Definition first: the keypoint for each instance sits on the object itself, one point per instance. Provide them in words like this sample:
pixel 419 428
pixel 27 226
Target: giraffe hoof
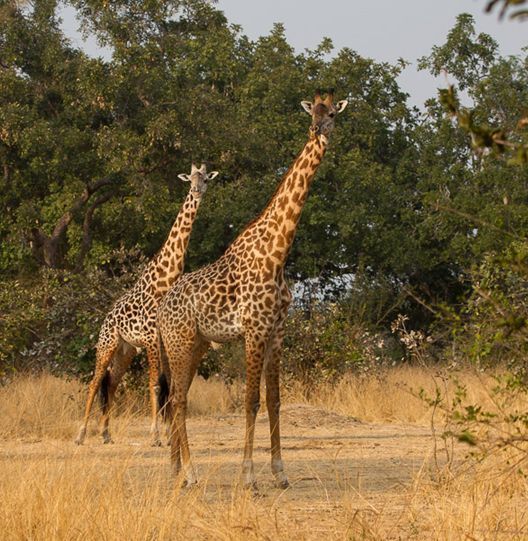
pixel 253 490
pixel 189 485
pixel 79 440
pixel 252 486
pixel 282 484
pixel 108 440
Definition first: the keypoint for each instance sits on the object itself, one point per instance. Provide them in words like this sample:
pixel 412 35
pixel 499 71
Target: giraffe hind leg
pixel 103 359
pixel 163 396
pixel 255 350
pixel 119 365
pixel 164 404
pixel 153 356
pixel 103 391
pixel 164 391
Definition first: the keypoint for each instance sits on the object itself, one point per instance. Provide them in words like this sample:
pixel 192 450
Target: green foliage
pixel 500 426
pixel 508 6
pixel 482 136
pixel 497 87
pixel 495 317
pixel 465 55
pixel 52 320
pixel 330 340
pixel 406 213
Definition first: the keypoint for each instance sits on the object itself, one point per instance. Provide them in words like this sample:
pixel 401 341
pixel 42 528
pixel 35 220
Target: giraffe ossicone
pixel 243 295
pixel 131 323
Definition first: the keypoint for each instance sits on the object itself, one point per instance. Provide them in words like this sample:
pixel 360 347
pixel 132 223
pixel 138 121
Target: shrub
pixel 52 322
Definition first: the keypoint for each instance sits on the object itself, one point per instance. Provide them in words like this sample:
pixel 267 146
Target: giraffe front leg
pixel 273 405
pixel 180 454
pixel 273 389
pixel 180 450
pixel 174 442
pixel 254 362
pixel 172 434
pixel 153 362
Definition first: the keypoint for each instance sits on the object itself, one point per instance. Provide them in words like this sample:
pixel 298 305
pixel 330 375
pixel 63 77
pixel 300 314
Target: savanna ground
pixel 364 458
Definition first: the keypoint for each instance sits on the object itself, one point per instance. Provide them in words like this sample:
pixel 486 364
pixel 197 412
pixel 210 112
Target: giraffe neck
pixel 280 218
pixel 167 265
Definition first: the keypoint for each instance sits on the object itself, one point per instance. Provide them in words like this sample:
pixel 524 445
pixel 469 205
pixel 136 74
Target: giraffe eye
pixel 331 115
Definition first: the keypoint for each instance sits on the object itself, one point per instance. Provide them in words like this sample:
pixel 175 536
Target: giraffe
pixel 131 323
pixel 242 295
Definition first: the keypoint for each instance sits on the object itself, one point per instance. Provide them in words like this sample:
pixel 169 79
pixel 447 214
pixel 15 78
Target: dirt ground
pixel 336 465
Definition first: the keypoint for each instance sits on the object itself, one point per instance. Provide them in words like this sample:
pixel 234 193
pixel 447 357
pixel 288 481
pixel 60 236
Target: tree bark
pixel 87 230
pixel 49 249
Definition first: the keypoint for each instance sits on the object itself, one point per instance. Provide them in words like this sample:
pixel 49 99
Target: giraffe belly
pixel 133 340
pixel 220 327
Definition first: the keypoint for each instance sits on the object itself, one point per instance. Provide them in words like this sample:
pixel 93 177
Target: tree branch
pixel 46 247
pixel 87 231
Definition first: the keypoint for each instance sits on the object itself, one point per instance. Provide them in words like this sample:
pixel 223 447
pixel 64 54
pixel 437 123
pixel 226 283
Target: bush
pixel 52 322
pixel 329 342
pixel 492 326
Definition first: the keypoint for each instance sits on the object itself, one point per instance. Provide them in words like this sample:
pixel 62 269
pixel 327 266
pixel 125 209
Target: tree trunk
pixel 49 250
pixel 87 231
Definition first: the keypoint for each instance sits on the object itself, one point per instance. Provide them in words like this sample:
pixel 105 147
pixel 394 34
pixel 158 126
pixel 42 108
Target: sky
pixel 384 30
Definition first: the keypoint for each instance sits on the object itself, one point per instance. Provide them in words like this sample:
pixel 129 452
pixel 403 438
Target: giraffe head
pixel 198 179
pixel 323 112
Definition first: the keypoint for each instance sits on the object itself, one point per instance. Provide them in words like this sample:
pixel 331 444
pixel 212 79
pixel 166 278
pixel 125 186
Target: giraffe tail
pixel 163 382
pixel 103 391
pixel 163 396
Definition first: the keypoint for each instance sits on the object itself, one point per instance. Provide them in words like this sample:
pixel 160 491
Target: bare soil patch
pixel 336 464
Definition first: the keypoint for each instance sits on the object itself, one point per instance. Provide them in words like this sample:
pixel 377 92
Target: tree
pixel 508 6
pixel 50 112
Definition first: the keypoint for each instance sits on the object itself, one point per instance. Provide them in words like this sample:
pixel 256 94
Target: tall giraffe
pixel 131 323
pixel 243 294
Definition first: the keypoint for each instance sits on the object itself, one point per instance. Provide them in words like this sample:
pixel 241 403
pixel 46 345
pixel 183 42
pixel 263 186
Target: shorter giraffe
pixel 131 324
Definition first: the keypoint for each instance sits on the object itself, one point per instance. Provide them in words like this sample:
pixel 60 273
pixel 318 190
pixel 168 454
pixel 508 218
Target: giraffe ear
pixel 340 105
pixel 307 106
pixel 184 177
pixel 212 175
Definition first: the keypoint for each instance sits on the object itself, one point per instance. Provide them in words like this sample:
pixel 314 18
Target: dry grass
pixel 487 501
pixel 50 489
pixel 48 500
pixel 49 406
pixel 391 396
pixel 214 396
pixel 41 406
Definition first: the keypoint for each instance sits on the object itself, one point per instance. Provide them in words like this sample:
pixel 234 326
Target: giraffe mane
pixel 268 204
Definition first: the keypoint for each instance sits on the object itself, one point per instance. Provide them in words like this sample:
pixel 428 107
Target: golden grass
pixel 47 500
pixel 41 406
pixel 51 489
pixel 49 406
pixel 393 395
pixel 486 502
pixel 214 396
